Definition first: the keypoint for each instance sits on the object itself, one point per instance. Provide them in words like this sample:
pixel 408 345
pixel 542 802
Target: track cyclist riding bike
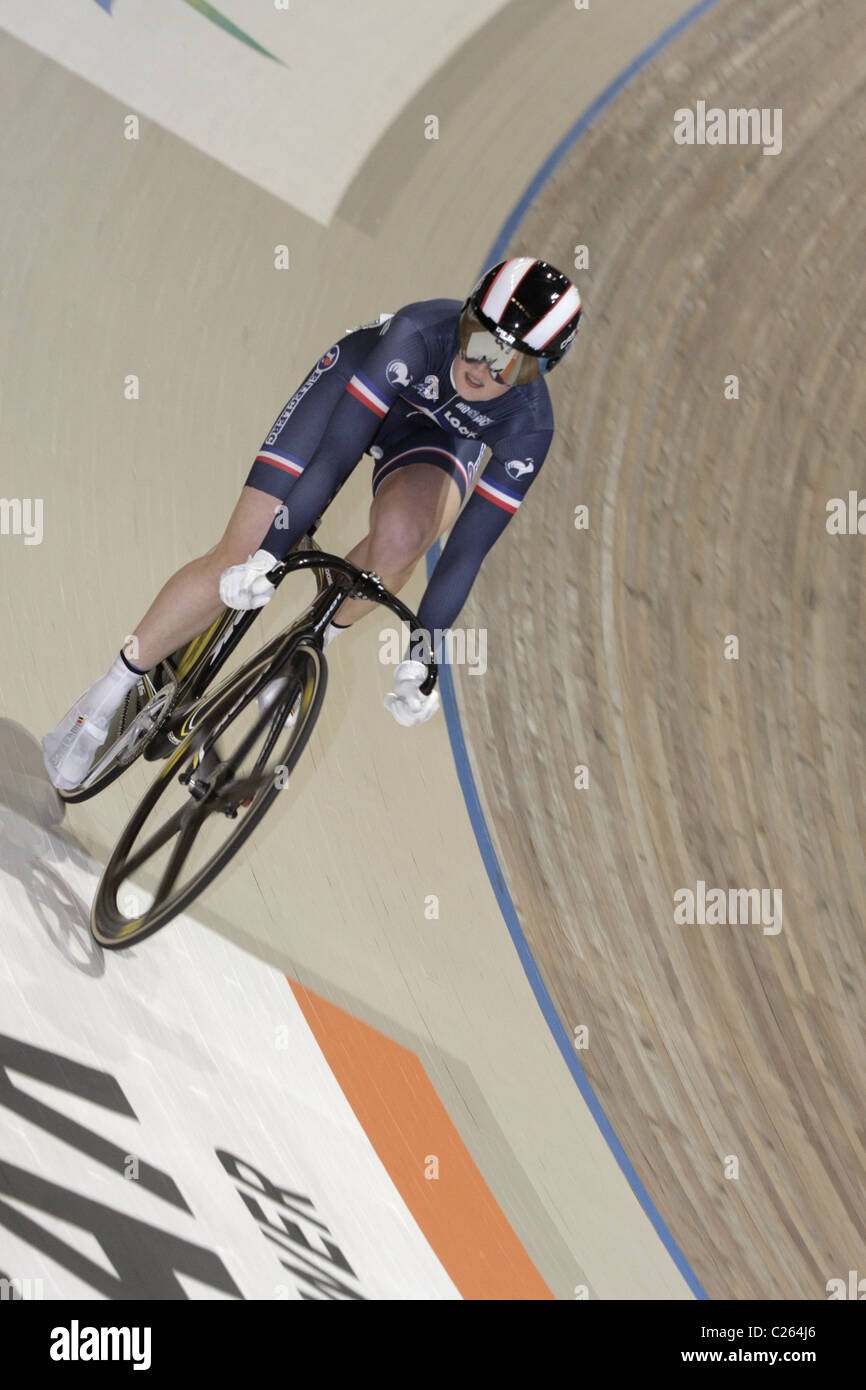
pixel 424 392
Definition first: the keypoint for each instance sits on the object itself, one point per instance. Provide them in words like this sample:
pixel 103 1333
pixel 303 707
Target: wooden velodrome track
pixel 706 518
pixel 606 645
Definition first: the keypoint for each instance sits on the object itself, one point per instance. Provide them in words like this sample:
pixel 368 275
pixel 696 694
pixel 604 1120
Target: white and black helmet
pixel 521 318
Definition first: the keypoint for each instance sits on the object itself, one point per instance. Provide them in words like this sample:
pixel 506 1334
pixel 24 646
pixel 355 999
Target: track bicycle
pixel 227 758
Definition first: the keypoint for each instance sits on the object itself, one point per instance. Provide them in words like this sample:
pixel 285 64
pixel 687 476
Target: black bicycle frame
pixel 336 580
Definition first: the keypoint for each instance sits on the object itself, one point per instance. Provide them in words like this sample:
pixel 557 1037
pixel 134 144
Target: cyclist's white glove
pixel 245 586
pixel 407 704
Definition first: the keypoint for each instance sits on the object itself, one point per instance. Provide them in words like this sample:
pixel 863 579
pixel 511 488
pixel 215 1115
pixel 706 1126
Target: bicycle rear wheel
pixel 206 801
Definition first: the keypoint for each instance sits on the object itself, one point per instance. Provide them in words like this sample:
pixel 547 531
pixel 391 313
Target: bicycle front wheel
pixel 205 802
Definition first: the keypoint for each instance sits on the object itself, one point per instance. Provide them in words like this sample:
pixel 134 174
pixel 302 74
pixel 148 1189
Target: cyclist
pixel 424 391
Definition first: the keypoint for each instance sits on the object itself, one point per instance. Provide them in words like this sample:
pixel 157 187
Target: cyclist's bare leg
pixel 186 606
pixel 412 509
pixel 189 602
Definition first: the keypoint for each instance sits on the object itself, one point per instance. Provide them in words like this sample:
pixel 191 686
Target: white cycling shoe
pixel 70 750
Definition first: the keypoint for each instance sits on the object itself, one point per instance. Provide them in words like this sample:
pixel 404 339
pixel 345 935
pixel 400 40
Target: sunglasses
pixel 507 365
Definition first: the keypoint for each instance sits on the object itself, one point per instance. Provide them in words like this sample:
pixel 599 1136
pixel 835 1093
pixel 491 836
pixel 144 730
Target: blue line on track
pixel 452 716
